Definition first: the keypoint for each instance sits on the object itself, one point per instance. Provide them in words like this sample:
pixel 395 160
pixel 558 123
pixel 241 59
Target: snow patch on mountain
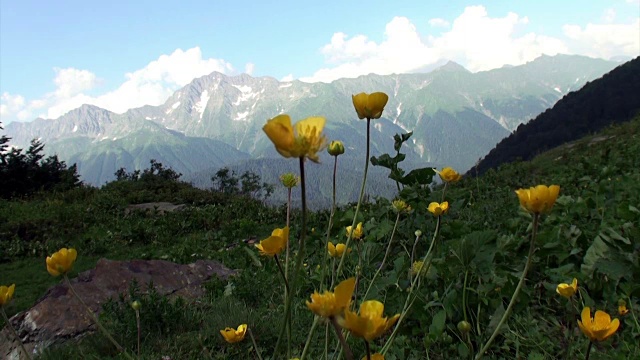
pixel 202 103
pixel 246 94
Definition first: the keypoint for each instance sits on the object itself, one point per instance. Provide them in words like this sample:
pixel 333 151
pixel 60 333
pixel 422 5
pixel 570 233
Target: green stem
pixel 347 351
pixel 635 319
pixel 413 255
pixel 514 297
pixel 282 272
pixel 299 260
pixel 355 215
pixel 326 242
pixel 306 345
pixel 589 350
pixel 255 345
pixel 15 334
pixel 384 259
pixel 96 321
pixel 464 295
pixel 368 347
pixel 415 285
pixel 286 259
pixel 139 330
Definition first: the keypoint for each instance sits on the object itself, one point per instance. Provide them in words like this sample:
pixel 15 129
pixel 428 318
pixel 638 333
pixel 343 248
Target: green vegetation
pixel 592 234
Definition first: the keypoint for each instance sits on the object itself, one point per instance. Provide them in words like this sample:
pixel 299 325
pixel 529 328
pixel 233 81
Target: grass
pixel 591 234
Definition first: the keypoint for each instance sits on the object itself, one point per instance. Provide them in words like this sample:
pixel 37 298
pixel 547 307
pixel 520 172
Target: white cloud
pixel 609 15
pixel 474 39
pixel 151 85
pixel 605 40
pixel 438 22
pixel 287 78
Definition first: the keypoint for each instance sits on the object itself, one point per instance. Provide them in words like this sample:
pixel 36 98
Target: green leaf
pixel 438 323
pixel 598 250
pixel 422 176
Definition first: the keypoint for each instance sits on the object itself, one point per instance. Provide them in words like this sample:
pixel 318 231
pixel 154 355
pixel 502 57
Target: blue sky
pixel 56 55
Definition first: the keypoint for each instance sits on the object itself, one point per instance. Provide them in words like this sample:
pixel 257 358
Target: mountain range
pixel 216 120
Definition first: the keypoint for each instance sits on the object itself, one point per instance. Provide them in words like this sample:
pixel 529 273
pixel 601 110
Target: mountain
pixel 216 120
pixel 614 98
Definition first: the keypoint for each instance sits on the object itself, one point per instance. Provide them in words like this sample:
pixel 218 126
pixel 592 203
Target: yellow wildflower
pixel 305 139
pixel 449 175
pixel 276 243
pixel 539 199
pixel 61 262
pixel 234 335
pixel 376 356
pixel 357 234
pixel 370 106
pixel 598 328
pixel 6 294
pixel 400 206
pixel 568 290
pixel 622 310
pixel 337 250
pixel 331 304
pixel 416 267
pixel 370 323
pixel 438 209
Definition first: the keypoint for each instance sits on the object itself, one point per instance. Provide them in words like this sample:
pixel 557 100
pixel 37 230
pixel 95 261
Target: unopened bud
pixel 335 148
pixel 136 305
pixel 418 233
pixel 289 180
pixel 464 327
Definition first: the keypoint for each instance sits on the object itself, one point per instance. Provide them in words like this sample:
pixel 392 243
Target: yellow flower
pixel 598 328
pixel 304 139
pixel 438 209
pixel 370 324
pixel 337 250
pixel 336 148
pixel 331 304
pixel 357 234
pixel 539 199
pixel 568 290
pixel 289 180
pixel 61 262
pixel 376 356
pixel 6 294
pixel 234 335
pixel 370 106
pixel 449 175
pixel 275 243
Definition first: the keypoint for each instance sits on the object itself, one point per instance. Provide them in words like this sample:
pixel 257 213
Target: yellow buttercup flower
pixel 539 199
pixel 234 335
pixel 275 243
pixel 337 250
pixel 305 139
pixel 331 304
pixel 438 209
pixel 449 175
pixel 416 267
pixel 357 234
pixel 6 294
pixel 370 106
pixel 598 328
pixel 61 262
pixel 376 356
pixel 568 290
pixel 622 310
pixel 370 323
pixel 400 206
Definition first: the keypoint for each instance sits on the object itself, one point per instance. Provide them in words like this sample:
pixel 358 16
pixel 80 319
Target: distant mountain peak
pixel 452 66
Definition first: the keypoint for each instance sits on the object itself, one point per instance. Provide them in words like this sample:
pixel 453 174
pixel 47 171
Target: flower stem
pixel 306 345
pixel 514 297
pixel 299 260
pixel 415 285
pixel 255 345
pixel 355 215
pixel 139 330
pixel 464 296
pixel 384 259
pixel 347 351
pixel 95 320
pixel 326 242
pixel 368 347
pixel 282 272
pixel 589 350
pixel 15 334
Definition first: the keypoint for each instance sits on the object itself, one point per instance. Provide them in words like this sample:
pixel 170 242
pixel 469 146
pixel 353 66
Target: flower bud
pixel 136 305
pixel 464 327
pixel 400 206
pixel 418 233
pixel 289 180
pixel 336 148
